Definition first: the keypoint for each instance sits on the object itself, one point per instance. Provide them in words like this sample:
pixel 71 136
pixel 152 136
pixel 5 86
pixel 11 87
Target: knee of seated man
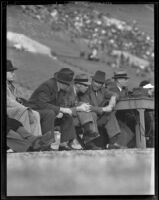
pixel 94 115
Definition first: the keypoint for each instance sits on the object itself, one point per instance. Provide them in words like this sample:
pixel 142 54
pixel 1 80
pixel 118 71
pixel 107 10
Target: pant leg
pixel 110 122
pixel 85 117
pixel 16 142
pixel 36 126
pixel 112 125
pixel 88 122
pixel 67 128
pixel 125 136
pixel 47 119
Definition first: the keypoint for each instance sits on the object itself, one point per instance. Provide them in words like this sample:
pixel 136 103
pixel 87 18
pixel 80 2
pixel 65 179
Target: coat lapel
pixel 93 97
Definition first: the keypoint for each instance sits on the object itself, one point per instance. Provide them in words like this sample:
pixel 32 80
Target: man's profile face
pixel 96 85
pixel 64 86
pixel 123 82
pixel 10 76
pixel 83 88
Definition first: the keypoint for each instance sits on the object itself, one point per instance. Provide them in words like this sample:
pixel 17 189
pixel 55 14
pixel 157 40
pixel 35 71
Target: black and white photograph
pixel 80 92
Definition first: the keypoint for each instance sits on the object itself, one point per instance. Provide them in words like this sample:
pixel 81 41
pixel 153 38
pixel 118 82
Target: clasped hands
pixel 83 107
pixel 86 107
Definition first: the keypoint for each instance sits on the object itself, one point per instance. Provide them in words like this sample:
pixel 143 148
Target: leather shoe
pixel 42 142
pixel 75 145
pixel 65 148
pixel 92 146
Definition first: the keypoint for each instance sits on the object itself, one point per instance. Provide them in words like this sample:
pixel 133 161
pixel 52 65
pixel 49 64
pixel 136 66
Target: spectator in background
pixel 93 55
pixel 149 88
pixel 16 110
pixel 20 140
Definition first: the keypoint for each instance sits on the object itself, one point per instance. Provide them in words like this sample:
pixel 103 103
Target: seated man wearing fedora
pixel 45 100
pixel 15 109
pixel 83 118
pixel 125 118
pixel 102 102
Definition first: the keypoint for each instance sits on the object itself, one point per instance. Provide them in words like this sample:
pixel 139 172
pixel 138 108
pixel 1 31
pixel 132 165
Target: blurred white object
pixel 60 115
pixel 10 151
pixel 76 145
pixel 22 42
pixel 148 86
pixel 56 144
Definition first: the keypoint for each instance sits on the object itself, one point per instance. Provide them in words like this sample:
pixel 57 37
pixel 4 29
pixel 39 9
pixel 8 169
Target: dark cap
pixel 65 75
pixel 99 76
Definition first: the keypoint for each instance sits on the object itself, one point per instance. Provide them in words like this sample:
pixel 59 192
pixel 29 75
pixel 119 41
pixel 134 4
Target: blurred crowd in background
pixel 100 31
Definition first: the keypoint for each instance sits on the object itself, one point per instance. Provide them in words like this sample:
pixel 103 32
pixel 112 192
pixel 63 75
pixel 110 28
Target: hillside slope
pixel 34 69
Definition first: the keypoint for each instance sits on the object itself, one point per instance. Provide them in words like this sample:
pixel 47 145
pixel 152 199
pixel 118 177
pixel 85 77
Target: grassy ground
pixel 113 172
pixel 34 69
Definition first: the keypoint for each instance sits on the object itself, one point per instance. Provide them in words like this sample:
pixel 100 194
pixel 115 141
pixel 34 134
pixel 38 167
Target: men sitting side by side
pixel 103 102
pixel 83 118
pixel 72 103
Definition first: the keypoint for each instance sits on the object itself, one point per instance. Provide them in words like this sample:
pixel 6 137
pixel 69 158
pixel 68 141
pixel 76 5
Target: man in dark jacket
pixel 45 100
pixel 20 140
pixel 102 102
pixel 83 118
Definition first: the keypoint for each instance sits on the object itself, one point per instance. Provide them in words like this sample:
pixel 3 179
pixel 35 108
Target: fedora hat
pixel 99 76
pixel 82 79
pixel 10 66
pixel 65 75
pixel 120 74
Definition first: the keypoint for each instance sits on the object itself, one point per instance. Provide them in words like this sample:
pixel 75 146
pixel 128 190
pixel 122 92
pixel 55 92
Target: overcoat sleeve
pixel 44 99
pixel 14 108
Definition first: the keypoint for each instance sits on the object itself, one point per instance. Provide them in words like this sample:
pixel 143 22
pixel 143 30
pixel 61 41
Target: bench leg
pixel 140 130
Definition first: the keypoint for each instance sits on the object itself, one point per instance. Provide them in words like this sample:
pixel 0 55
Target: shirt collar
pixel 119 88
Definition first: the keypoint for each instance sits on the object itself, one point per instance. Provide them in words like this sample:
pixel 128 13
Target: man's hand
pixel 85 107
pixel 66 110
pixel 60 115
pixel 108 108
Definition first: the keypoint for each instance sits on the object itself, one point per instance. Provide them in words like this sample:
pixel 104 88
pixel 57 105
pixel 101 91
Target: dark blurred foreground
pixel 113 172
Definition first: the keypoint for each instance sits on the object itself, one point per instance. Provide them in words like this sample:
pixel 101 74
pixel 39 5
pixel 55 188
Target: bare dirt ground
pixel 113 172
